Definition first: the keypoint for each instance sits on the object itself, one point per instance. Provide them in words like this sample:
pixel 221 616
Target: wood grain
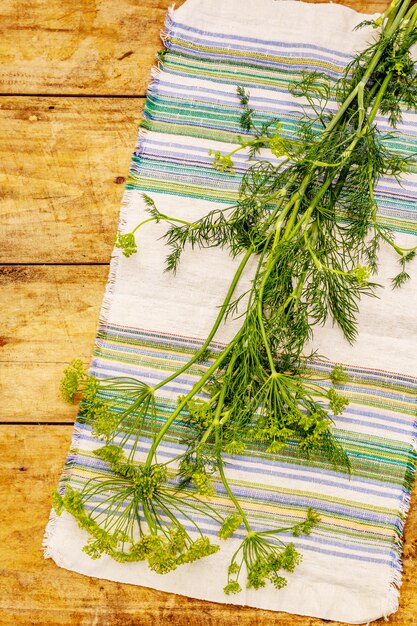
pixel 64 163
pixel 49 317
pixel 36 591
pixel 79 46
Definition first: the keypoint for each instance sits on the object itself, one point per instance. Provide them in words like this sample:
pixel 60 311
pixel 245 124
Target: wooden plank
pixel 30 392
pixel 49 313
pixel 79 46
pixel 87 46
pixel 48 317
pixel 64 163
pixel 35 591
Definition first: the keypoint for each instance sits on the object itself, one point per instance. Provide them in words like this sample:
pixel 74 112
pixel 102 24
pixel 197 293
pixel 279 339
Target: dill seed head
pixel 232 587
pixel 126 243
pixel 235 447
pixel 338 375
pixel 73 375
pixel 203 484
pixel 229 526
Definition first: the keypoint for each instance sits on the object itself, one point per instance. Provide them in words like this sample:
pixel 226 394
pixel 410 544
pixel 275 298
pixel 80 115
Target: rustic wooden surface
pixel 64 162
pixel 79 46
pixel 73 76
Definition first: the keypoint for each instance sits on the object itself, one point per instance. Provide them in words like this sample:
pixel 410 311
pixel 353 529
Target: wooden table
pixel 73 76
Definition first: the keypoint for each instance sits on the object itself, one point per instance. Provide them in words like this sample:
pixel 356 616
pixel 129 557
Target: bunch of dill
pixel 311 223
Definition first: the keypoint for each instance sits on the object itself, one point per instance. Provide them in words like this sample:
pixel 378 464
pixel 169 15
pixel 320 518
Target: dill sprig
pixel 265 556
pixel 311 223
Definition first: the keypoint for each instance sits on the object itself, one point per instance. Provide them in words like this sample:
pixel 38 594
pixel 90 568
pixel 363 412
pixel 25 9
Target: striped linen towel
pixel 151 323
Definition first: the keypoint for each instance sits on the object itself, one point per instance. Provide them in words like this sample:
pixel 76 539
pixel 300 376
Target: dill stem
pixel 396 18
pixel 361 107
pixel 267 272
pixel 222 396
pixel 377 101
pixel 259 311
pixel 148 517
pixel 149 219
pixel 195 389
pixel 215 326
pixel 279 223
pixel 227 487
pixel 246 144
pixel 412 16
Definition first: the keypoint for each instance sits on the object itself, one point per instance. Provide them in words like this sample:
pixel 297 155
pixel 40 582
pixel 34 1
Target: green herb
pixel 311 222
pixel 265 555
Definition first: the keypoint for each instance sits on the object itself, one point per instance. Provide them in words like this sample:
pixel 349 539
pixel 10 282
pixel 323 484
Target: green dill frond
pixel 400 279
pixel 403 276
pixel 161 55
pixel 205 355
pixel 409 256
pixel 243 96
pixel 266 557
pixel 148 201
pixel 198 466
pixel 152 210
pixel 364 23
pixel 245 121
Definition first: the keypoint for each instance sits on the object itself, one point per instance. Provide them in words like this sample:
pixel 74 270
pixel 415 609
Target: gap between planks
pixel 59 264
